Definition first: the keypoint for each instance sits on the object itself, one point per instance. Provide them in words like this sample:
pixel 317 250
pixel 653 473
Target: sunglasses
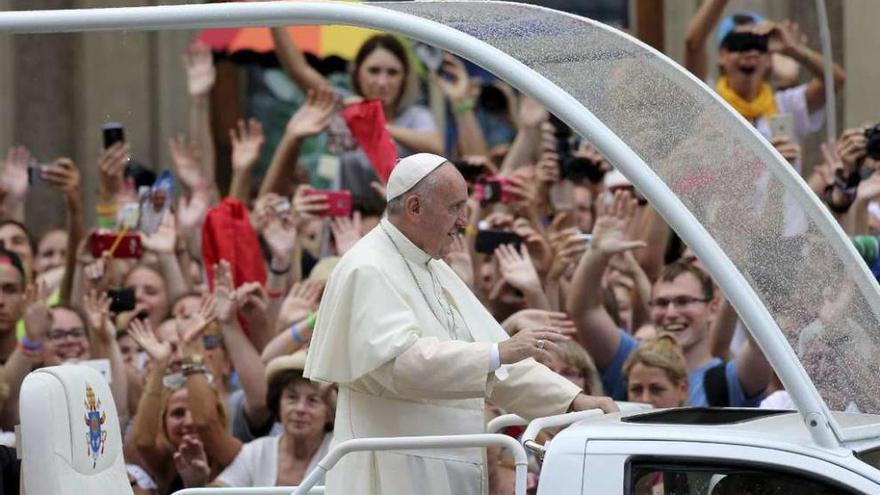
pixel 744 41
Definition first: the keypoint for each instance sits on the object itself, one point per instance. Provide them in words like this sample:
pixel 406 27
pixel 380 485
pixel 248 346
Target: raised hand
pixel 307 207
pixel 191 462
pixel 530 319
pixel 253 302
pixel 37 319
pixel 785 37
pixel 63 175
pixel 225 304
pixel 547 169
pixel 187 162
pixel 247 142
pixel 609 231
pixel 111 165
pixel 852 148
pixel 142 333
pixel 96 306
pixel 164 240
pixel 300 301
pixel 568 247
pixel 539 343
pixel 193 325
pixel 279 232
pixel 531 113
pixel 14 172
pixel 516 268
pixel 346 232
pixel 790 151
pixel 459 259
pixel 314 116
pixel 191 212
pixel 457 86
pixel 200 72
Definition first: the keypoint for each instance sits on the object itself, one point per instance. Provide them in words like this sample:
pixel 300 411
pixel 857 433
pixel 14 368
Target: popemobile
pixel 781 260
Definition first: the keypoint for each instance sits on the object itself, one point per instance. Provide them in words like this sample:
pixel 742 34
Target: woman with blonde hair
pixel 656 373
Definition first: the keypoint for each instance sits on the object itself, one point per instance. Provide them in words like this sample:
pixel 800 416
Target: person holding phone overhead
pixel 414 352
pixel 381 71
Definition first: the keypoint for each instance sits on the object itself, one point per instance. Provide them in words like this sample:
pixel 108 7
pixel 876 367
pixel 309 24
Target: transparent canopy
pixel 760 213
pixel 753 204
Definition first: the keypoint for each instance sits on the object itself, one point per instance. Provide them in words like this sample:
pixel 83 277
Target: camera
pixel 872 149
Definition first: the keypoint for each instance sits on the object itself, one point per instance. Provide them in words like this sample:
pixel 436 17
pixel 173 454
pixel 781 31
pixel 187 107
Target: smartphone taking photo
pixel 128 246
pixel 488 240
pixel 113 133
pixel 338 202
pixel 121 299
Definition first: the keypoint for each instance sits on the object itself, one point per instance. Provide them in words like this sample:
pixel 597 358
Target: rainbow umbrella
pixel 322 41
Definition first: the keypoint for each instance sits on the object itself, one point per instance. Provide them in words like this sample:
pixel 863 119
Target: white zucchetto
pixel 409 171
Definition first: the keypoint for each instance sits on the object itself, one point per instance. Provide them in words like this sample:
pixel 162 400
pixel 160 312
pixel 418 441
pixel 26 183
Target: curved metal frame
pixel 817 417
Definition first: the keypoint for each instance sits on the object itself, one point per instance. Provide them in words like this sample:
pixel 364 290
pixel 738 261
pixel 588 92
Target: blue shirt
pixel 615 383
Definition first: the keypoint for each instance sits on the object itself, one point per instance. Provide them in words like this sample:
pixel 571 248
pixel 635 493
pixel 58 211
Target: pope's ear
pixel 412 205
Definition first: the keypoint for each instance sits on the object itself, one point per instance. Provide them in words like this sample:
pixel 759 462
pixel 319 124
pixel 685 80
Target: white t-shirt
pixel 257 463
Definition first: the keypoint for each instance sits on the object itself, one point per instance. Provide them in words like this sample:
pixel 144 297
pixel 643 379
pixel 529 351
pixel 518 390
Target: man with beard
pixel 683 304
pixel 415 353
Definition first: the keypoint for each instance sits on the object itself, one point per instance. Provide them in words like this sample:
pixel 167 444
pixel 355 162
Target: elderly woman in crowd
pixel 305 411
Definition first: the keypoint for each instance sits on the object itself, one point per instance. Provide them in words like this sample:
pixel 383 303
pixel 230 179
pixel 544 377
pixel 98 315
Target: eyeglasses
pixel 60 334
pixel 679 302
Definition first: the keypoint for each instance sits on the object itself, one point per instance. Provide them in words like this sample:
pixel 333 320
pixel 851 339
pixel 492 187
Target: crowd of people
pixel 207 357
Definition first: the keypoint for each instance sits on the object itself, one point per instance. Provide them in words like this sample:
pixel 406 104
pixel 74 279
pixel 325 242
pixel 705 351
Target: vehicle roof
pixel 784 431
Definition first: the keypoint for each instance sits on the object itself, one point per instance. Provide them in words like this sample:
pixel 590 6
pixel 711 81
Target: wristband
pixel 464 107
pixel 295 335
pixel 310 320
pixel 30 346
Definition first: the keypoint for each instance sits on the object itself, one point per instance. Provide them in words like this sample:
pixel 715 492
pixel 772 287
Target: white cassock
pixel 414 364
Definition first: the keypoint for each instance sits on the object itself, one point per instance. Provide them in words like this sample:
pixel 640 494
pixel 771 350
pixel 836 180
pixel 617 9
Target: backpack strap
pixel 715 385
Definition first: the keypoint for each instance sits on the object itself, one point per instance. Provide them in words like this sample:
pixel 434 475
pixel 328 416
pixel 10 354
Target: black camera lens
pixel 872 149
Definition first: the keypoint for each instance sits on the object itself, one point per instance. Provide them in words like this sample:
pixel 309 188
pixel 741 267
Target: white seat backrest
pixel 70 435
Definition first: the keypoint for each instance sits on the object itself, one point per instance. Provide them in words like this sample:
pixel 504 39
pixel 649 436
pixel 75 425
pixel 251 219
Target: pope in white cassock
pixel 414 352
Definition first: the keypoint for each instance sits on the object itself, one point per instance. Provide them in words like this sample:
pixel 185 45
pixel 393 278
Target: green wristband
pixel 464 107
pixel 310 320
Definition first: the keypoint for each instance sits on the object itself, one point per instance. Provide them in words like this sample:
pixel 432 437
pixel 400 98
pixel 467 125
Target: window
pixel 652 478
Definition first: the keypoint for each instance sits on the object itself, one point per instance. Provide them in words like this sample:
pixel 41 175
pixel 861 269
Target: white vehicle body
pixel 708 173
pixel 603 455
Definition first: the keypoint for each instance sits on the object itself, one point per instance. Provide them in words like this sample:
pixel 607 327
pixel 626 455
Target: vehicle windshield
pixel 800 265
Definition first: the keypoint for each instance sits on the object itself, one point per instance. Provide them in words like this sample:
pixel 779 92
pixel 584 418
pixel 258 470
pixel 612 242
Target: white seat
pixel 70 435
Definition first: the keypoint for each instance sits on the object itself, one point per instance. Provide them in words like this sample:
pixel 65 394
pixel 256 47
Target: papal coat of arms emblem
pixel 95 418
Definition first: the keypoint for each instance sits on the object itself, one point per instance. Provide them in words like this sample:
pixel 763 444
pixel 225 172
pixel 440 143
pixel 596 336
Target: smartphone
pixel 34 173
pixel 488 240
pixel 586 238
pixel 782 125
pixel 129 247
pixel 113 133
pixel 493 190
pixel 338 202
pixel 121 299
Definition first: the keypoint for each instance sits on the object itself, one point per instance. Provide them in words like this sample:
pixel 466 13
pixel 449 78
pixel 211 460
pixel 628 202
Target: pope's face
pixel 445 214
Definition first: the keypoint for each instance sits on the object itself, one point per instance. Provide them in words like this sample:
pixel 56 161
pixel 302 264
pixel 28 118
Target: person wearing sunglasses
pixel 748 47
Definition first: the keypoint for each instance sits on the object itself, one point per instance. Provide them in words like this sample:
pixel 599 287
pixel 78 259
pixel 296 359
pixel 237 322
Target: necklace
pixel 412 274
